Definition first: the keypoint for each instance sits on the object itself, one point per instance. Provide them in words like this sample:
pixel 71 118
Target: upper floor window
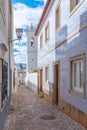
pixel 47 32
pixel 74 3
pixel 32 42
pixel 41 41
pixel 2 8
pixel 57 17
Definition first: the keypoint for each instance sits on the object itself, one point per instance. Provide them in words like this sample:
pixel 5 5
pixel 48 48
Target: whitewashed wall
pixel 31 81
pixel 45 58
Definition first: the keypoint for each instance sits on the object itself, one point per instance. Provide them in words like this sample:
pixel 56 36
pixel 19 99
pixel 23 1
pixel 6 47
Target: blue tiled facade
pixel 74 31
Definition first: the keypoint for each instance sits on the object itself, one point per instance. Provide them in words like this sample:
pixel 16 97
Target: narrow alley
pixel 28 110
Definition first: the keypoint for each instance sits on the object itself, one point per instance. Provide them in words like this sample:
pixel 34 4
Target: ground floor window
pixel 78 73
pixel 46 73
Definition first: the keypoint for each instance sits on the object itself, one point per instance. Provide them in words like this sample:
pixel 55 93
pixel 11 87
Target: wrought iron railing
pixel 4 80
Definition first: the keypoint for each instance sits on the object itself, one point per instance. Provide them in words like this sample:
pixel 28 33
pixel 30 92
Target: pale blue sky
pixel 25 12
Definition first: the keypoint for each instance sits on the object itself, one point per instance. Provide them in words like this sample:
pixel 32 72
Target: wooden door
pixel 56 72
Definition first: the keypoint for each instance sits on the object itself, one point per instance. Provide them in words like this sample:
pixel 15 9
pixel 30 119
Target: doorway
pixel 56 80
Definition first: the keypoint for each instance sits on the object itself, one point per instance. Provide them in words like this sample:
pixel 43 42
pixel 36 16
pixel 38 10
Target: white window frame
pixel 57 17
pixel 74 6
pixel 41 41
pixel 77 90
pixel 47 32
pixel 77 87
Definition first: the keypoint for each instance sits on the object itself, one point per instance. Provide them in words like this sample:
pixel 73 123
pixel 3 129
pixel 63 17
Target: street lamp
pixel 19 32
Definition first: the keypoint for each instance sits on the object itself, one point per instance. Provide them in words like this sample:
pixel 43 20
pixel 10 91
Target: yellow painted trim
pixel 43 21
pixel 47 26
pixel 77 6
pixel 41 44
pixel 58 6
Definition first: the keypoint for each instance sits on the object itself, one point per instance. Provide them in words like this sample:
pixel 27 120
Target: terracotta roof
pixel 43 15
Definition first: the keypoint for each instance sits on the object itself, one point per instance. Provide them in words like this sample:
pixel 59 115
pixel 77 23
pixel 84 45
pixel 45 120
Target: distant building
pixel 21 74
pixel 62 56
pixel 31 50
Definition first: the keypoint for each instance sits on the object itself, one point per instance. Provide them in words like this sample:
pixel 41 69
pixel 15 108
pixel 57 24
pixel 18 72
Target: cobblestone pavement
pixel 28 109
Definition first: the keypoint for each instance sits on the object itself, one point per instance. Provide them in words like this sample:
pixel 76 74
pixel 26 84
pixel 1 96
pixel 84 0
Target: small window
pixel 46 74
pixel 77 74
pixel 32 42
pixel 3 8
pixel 57 17
pixel 47 32
pixel 41 41
pixel 74 3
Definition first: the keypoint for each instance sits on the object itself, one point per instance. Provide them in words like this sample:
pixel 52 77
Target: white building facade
pixel 62 56
pixel 46 53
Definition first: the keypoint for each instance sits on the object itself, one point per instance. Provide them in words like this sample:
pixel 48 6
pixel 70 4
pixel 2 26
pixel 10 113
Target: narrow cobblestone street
pixel 28 109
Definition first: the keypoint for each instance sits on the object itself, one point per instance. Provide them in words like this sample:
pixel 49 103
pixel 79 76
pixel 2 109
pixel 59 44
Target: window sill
pixel 74 10
pixel 79 94
pixel 46 81
pixel 47 40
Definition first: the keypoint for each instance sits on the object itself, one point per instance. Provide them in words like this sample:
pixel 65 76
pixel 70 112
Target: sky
pixel 25 12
